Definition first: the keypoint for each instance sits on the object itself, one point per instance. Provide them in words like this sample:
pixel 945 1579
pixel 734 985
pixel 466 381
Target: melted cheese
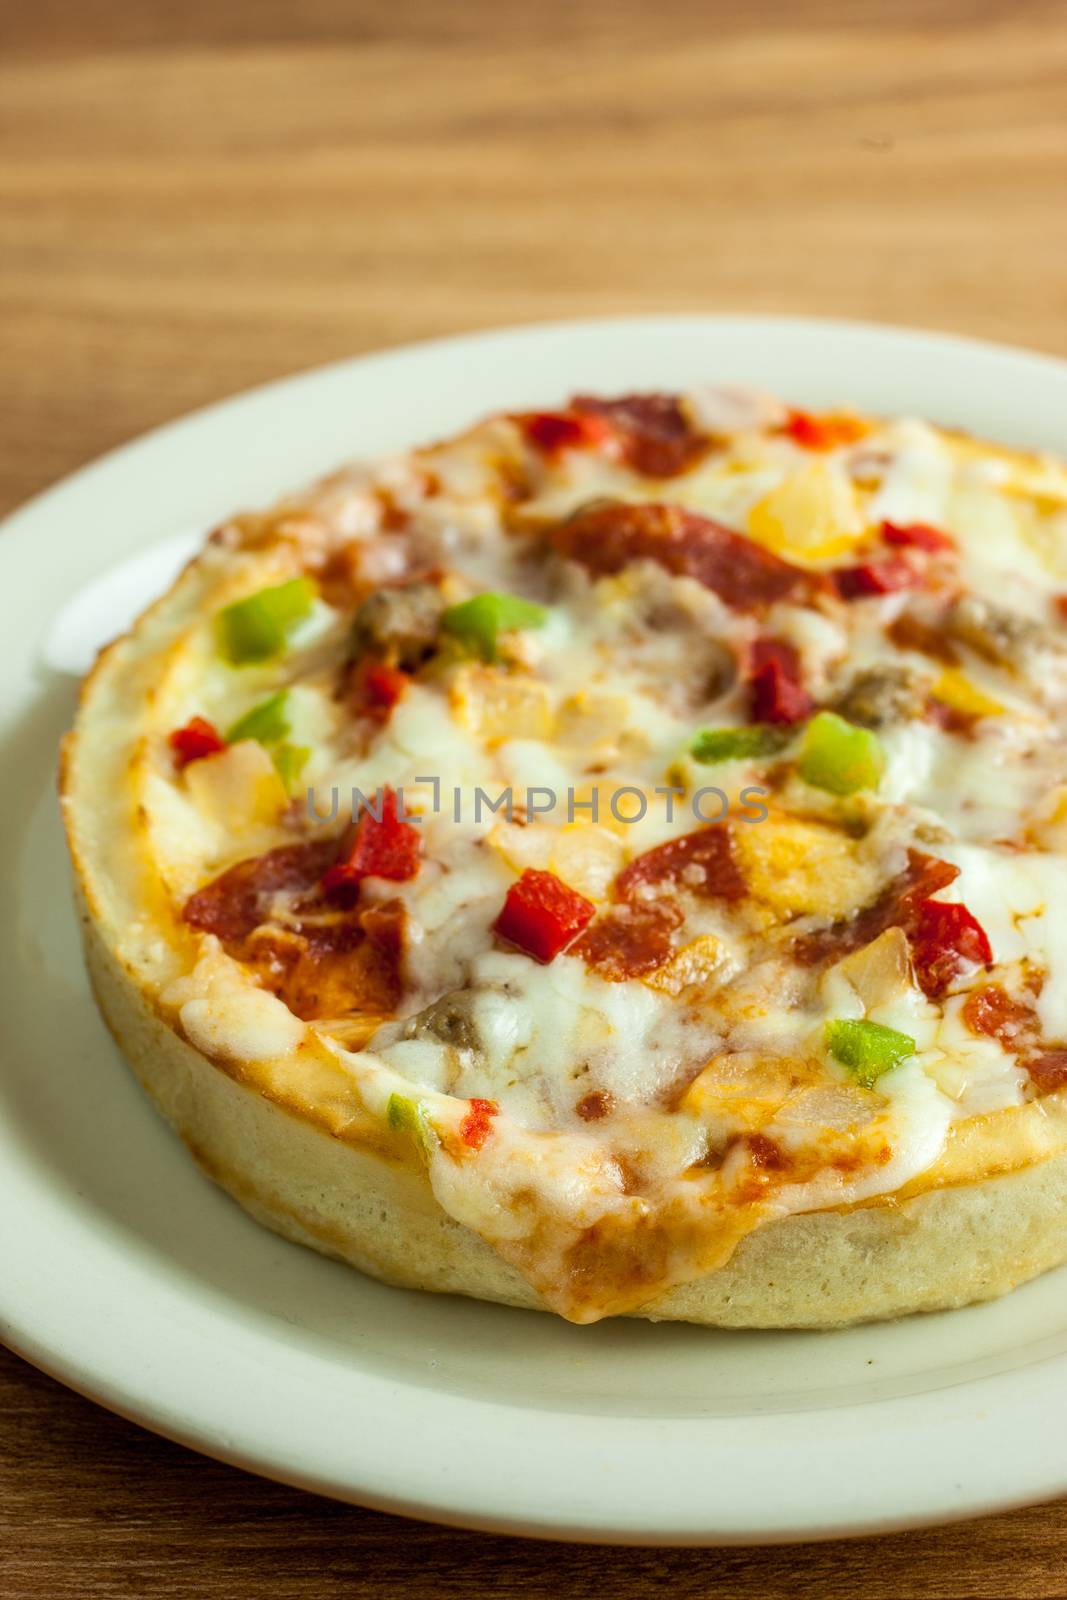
pixel 608 695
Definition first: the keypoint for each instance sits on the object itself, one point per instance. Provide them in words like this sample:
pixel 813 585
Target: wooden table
pixel 195 197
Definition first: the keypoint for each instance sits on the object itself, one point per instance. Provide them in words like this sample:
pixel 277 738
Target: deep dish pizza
pixel 612 860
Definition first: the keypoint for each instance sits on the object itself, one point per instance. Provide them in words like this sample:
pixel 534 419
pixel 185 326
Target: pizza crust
pixel 939 1250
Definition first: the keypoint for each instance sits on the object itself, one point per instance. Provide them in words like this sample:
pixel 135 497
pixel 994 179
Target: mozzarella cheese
pixel 696 1083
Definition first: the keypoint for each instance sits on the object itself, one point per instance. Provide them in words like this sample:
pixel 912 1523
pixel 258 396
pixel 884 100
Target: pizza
pixel 611 861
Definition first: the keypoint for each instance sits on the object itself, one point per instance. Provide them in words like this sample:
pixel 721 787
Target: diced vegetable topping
pixel 946 938
pixel 198 738
pixel 476 1126
pixel 776 692
pixel 824 432
pixel 897 906
pixel 542 914
pixel 837 756
pixel 867 1049
pixel 380 847
pixel 554 431
pixel 258 627
pixel 813 513
pixel 917 536
pixel 955 690
pixel 874 578
pixel 239 787
pixel 406 1115
pixel 478 622
pixel 290 761
pixel 736 744
pixel 380 687
pixel 268 721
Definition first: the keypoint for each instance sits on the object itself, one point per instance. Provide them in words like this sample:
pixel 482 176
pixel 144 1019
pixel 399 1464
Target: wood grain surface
pixel 198 195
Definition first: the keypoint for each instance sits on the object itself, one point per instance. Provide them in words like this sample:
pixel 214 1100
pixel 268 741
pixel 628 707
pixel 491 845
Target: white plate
pixel 124 1273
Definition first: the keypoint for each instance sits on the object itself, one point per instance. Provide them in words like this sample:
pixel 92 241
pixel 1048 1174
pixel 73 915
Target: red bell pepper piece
pixel 553 431
pixel 917 536
pixel 476 1125
pixel 873 577
pixel 944 939
pixel 198 738
pixel 378 687
pixel 825 432
pixel 380 847
pixel 542 914
pixel 776 693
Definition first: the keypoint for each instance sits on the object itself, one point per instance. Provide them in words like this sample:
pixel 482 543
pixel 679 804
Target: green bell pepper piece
pixel 289 762
pixel 837 756
pixel 268 722
pixel 867 1049
pixel 258 627
pixel 711 745
pixel 405 1115
pixel 477 622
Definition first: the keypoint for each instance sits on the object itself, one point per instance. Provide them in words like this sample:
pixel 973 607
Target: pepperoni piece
pixel 605 537
pixel 383 925
pixel 321 962
pixel 326 965
pixel 656 436
pixel 701 861
pixel 896 907
pixel 238 901
pixel 1048 1070
pixel 627 941
pixel 992 1011
pixel 776 692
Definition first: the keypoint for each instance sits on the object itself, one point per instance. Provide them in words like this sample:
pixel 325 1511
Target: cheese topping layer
pixel 711 862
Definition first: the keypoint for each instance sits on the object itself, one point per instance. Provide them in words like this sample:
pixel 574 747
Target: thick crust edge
pixel 941 1249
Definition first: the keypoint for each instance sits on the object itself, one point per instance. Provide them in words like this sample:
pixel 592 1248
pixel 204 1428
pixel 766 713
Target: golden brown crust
pixel 942 1249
